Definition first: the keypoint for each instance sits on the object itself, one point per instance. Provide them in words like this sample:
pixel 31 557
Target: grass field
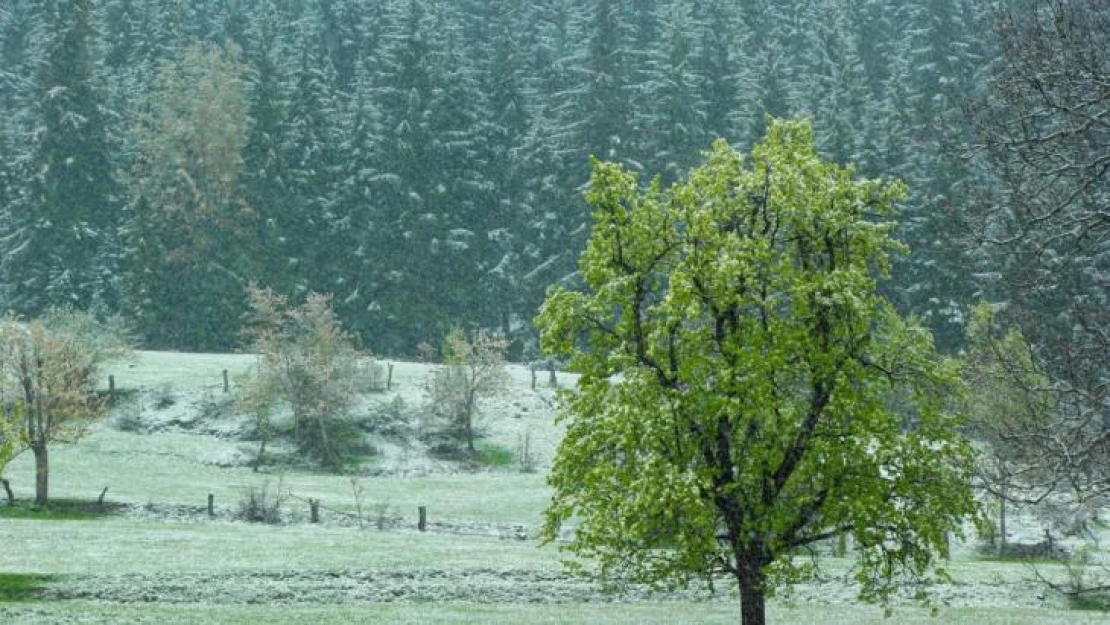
pixel 160 559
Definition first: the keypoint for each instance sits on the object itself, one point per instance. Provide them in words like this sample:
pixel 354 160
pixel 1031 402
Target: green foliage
pixel 60 510
pixel 308 364
pixel 12 438
pixel 493 455
pixel 744 390
pixel 47 376
pixel 21 586
pixel 1009 393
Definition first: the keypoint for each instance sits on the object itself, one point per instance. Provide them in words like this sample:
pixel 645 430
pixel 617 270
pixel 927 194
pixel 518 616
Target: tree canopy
pixel 744 390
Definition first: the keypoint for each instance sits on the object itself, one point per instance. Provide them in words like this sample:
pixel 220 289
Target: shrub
pixel 473 369
pixel 262 505
pixel 164 397
pixel 391 417
pixel 307 363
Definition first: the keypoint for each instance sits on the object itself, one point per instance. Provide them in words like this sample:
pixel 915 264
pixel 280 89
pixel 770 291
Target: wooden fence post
pixel 551 378
pixel 314 510
pixel 389 378
pixel 111 389
pixel 227 386
pixel 211 505
pixel 422 524
pixel 532 368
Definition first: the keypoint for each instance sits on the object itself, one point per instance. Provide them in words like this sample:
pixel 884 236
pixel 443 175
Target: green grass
pixel 21 586
pixel 59 510
pixel 454 613
pixel 119 546
pixel 494 455
pixel 1092 602
pixel 183 467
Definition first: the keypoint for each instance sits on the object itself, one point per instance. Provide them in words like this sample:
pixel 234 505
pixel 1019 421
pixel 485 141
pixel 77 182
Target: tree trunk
pixel 752 604
pixel 42 474
pixel 1002 522
pixel 468 419
pixel 8 490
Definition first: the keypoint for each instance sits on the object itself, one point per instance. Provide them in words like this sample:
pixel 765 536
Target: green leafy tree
pixel 47 374
pixel 744 390
pixel 11 441
pixel 189 238
pixel 1009 404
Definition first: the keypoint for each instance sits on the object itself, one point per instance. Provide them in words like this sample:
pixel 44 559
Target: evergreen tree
pixel 603 108
pixel 721 72
pixel 940 67
pixel 503 127
pixel 266 181
pixel 57 239
pixel 307 218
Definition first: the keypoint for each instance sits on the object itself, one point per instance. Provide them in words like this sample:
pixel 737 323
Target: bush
pixel 164 397
pixel 391 418
pixel 492 455
pixel 473 369
pixel 262 505
pixel 372 376
pixel 129 417
pixel 307 363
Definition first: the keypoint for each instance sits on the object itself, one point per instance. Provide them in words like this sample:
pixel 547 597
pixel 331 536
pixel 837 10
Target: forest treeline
pixel 422 160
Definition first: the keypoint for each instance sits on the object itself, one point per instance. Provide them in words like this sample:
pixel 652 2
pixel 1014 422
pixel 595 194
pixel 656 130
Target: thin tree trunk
pixel 42 474
pixel 8 491
pixel 753 609
pixel 1002 522
pixel 469 419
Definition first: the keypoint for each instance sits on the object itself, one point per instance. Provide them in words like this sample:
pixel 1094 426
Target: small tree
pixel 48 378
pixel 11 441
pixel 473 368
pixel 744 390
pixel 1009 405
pixel 307 362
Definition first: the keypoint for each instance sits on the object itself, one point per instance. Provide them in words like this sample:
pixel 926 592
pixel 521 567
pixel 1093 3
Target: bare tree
pixel 1042 232
pixel 473 368
pixel 1043 222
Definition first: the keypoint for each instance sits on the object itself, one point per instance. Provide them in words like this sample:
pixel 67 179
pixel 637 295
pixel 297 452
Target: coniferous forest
pixel 422 161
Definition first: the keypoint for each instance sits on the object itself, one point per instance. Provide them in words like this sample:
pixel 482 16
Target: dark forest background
pixel 422 160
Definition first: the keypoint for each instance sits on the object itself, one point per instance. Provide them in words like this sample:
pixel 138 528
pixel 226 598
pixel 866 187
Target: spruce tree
pixel 64 216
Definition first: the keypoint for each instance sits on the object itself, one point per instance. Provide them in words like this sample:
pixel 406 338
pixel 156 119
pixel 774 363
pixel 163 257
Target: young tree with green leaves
pixel 48 375
pixel 11 442
pixel 744 390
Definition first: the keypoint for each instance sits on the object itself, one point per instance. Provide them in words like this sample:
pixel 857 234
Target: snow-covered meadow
pixel 162 558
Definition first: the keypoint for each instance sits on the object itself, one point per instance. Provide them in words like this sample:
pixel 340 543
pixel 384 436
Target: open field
pixel 161 559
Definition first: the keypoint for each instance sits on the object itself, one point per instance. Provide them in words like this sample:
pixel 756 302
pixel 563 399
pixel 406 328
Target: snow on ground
pixel 186 442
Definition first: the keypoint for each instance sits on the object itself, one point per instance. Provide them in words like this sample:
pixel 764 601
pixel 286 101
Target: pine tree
pixel 64 217
pixel 266 181
pixel 721 72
